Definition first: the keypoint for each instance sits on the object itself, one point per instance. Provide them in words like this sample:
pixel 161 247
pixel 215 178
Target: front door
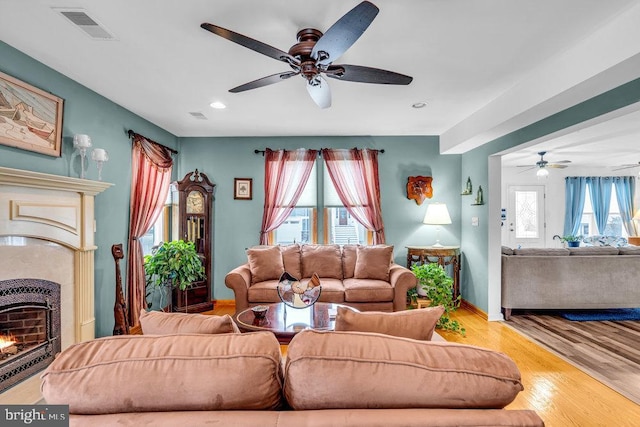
pixel 525 216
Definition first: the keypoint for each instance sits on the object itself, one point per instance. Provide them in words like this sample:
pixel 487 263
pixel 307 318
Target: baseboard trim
pixel 473 309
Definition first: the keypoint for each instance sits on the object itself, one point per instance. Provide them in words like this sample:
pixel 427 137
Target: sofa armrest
pixel 401 279
pixel 239 280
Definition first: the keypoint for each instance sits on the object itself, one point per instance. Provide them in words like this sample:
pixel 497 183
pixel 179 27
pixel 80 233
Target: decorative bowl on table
pixel 260 311
pixel 295 294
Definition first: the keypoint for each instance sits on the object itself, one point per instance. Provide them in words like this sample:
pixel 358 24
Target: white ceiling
pixel 482 66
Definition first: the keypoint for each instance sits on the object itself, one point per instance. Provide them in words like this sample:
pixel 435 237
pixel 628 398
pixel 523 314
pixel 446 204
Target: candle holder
pixel 82 143
pixel 100 156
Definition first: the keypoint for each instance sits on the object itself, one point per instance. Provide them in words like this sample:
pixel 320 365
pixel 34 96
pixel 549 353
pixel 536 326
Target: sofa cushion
pixel 415 324
pixel 332 290
pixel 291 259
pixel 159 323
pixel 349 256
pixel 542 251
pixel 337 370
pixel 265 263
pixel 367 290
pixel 263 292
pixel 326 260
pixel 594 250
pixel 629 250
pixel 373 262
pixel 138 373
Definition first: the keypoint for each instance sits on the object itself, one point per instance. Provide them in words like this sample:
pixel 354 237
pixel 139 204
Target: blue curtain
pixel 600 192
pixel 574 195
pixel 625 189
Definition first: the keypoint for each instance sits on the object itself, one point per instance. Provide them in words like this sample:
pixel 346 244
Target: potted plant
pixel 174 264
pixel 433 279
pixel 573 241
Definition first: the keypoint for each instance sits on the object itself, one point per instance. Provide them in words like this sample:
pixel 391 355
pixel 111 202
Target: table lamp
pixel 437 214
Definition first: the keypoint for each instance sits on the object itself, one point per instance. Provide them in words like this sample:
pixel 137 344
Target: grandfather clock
pixel 195 208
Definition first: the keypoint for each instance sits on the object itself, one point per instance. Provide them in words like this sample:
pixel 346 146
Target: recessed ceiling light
pixel 218 105
pixel 420 104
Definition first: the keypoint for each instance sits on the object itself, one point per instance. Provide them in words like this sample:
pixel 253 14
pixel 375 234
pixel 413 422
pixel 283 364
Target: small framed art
pixel 242 188
pixel 30 118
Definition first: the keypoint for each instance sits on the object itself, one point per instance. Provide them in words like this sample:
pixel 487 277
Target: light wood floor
pixel 561 394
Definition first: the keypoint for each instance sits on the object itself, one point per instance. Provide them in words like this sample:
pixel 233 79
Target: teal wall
pixel 107 123
pixel 237 222
pixel 474 240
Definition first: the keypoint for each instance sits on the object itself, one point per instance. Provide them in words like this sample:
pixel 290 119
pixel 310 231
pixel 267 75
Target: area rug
pixel 612 315
pixel 605 350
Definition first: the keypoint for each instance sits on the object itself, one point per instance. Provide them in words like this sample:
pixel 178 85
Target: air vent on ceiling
pixel 87 24
pixel 198 115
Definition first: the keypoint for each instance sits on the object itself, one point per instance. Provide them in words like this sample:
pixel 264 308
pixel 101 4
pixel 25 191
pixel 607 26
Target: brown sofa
pixel 363 277
pixel 327 379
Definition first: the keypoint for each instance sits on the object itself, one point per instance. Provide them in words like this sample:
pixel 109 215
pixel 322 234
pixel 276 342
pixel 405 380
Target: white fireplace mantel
pixel 58 209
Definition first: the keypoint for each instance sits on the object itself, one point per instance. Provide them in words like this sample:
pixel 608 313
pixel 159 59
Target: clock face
pixel 195 203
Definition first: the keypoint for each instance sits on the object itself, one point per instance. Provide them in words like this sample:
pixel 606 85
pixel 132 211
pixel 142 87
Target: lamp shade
pixel 542 173
pixel 437 214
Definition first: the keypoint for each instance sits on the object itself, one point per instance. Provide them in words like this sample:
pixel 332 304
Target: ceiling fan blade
pixel 319 91
pixel 250 43
pixel 357 73
pixel 555 165
pixel 344 33
pixel 562 161
pixel 528 168
pixel 621 167
pixel 274 78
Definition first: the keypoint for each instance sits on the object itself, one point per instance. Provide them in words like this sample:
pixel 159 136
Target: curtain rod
pixel 132 134
pixel 381 151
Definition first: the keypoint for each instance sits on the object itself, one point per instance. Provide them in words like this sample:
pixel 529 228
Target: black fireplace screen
pixel 29 299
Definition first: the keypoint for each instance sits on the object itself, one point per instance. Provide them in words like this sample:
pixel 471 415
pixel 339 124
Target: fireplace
pixel 30 327
pixel 47 250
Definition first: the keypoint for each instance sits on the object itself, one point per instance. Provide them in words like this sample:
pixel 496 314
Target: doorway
pixel 525 216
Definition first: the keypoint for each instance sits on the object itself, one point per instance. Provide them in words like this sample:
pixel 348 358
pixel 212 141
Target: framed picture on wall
pixel 243 188
pixel 30 118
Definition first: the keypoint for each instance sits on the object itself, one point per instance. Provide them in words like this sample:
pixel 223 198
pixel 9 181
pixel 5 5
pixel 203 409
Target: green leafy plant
pixel 433 279
pixel 174 264
pixel 412 296
pixel 568 238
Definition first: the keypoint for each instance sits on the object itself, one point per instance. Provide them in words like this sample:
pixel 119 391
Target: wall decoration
pixel 30 118
pixel 468 188
pixel 479 197
pixel 242 188
pixel 419 188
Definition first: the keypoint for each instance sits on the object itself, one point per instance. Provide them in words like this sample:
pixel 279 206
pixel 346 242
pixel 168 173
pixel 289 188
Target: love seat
pixel 363 277
pixel 328 379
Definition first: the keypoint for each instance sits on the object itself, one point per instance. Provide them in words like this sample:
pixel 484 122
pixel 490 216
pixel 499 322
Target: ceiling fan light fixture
pixel 217 105
pixel 542 173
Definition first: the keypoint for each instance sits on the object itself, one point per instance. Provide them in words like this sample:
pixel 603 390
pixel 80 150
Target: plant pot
pixel 573 244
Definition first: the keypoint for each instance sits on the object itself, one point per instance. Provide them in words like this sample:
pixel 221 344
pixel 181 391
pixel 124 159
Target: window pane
pixel 309 196
pixel 331 197
pixel 295 229
pixel 526 218
pixel 344 230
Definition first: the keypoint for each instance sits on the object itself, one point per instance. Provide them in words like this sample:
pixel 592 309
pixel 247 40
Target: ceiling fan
pixel 628 166
pixel 543 165
pixel 315 53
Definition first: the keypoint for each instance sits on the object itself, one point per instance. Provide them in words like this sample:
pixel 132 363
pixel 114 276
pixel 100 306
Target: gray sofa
pixel 572 278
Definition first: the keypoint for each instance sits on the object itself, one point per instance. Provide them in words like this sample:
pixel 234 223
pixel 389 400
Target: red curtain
pixel 285 175
pixel 354 174
pixel 150 179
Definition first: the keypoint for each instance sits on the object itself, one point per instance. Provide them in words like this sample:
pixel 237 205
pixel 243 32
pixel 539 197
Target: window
pixel 614 222
pixel 160 231
pixel 302 225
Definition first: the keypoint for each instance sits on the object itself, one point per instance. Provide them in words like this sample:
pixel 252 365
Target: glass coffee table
pixel 285 322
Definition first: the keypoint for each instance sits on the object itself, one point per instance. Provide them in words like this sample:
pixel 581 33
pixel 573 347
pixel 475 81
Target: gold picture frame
pixel 30 118
pixel 242 188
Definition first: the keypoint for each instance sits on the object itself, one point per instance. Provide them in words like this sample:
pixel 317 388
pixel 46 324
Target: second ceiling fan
pixel 543 165
pixel 314 54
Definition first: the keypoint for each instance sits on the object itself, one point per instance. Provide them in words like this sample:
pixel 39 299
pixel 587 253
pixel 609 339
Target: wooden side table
pixel 444 255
